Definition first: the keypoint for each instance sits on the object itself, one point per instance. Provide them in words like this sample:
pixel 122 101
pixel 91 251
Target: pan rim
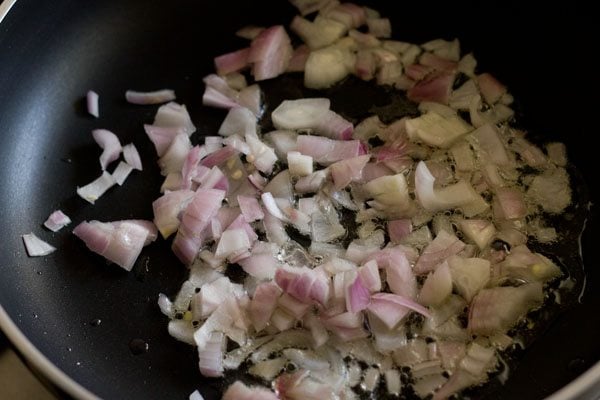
pixel 5 7
pixel 581 387
pixel 40 362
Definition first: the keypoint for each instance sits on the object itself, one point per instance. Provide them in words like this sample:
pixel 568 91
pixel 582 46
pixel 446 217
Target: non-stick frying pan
pixel 51 53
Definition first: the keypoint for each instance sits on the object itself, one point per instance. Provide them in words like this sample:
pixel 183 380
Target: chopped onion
pixel 109 142
pixel 120 242
pixel 57 220
pixel 132 157
pixel 93 190
pixel 92 103
pixel 157 97
pixel 121 172
pixel 36 247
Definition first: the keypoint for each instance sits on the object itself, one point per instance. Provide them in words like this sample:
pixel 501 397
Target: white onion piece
pixel 109 143
pixel 162 137
pixel 119 242
pixel 166 306
pixel 156 97
pixel 390 193
pixel 437 286
pixel 392 381
pixel 239 391
pixel 251 98
pixel 249 32
pixel 93 190
pixel 380 27
pixel 173 115
pixel 35 246
pixel 132 157
pixel 460 194
pixel 327 151
pixel 167 209
pixel 327 66
pixel 232 62
pixel 272 207
pixel 309 6
pixel 443 246
pixel 346 171
pixel 211 357
pixel 320 33
pixel 182 331
pixel 357 295
pixel 469 275
pixel 57 220
pixel 203 207
pixel 299 164
pixel 497 309
pixel 93 107
pixel 174 157
pixel 232 242
pixel 262 156
pixel 121 173
pixel 239 120
pixel 300 114
pixel 268 369
pixel 250 208
pixel 490 88
pixel 270 53
pixel 195 395
pixel 435 130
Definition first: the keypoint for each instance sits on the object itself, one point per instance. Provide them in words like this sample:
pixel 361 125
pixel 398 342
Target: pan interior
pixel 52 53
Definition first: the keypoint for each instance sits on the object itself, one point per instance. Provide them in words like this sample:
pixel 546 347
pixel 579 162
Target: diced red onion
pixel 357 296
pixel 270 53
pixel 156 97
pixel 120 243
pixel 232 62
pixel 349 170
pixel 196 218
pixel 436 87
pixel 442 247
pixel 498 309
pixel 162 137
pixel 211 357
pixel 57 220
pixel 298 59
pixel 327 151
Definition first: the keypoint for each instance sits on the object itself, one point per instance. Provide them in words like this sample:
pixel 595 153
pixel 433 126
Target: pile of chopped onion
pixel 431 274
pixel 436 271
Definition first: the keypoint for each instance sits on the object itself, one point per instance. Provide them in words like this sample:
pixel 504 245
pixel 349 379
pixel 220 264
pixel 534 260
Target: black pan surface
pixel 51 53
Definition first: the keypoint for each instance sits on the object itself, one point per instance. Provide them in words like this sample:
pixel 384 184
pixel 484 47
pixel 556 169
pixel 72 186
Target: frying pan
pixel 51 53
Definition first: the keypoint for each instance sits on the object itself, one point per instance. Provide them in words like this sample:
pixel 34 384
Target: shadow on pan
pixel 52 53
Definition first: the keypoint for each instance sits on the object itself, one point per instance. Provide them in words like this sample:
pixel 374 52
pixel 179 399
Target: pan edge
pixel 5 7
pixel 41 363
